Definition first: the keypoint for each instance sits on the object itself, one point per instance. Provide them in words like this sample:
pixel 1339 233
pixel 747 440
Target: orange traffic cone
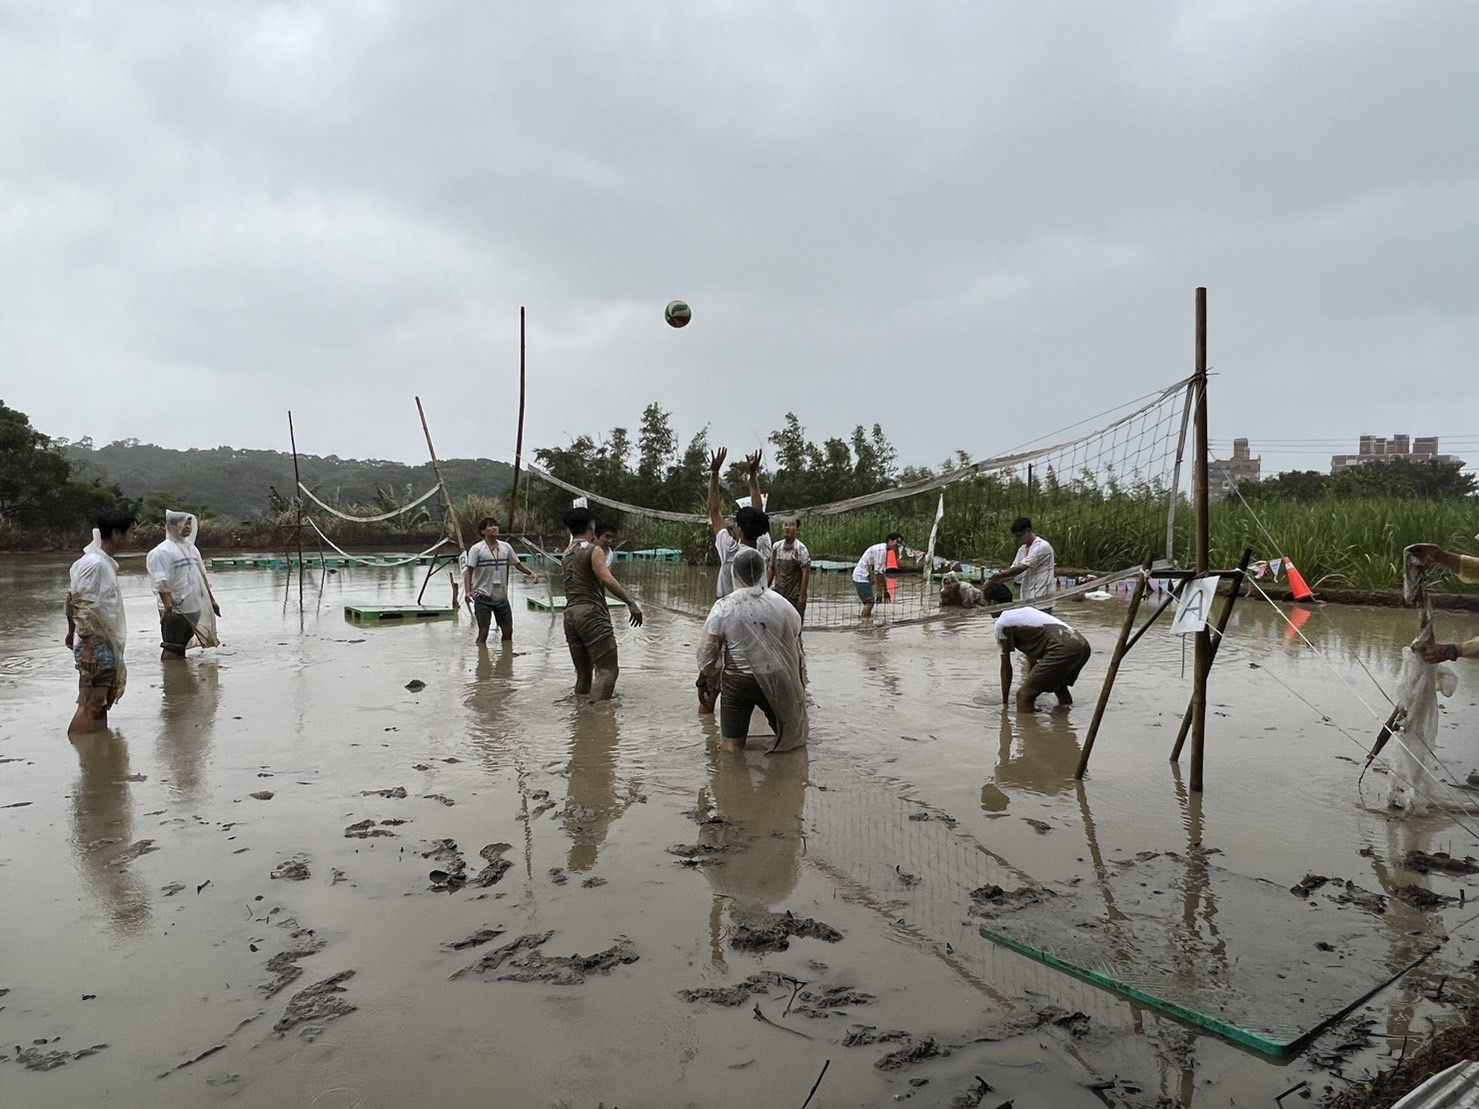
pixel 893 560
pixel 1298 587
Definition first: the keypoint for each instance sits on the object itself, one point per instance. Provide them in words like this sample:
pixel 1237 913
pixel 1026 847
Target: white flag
pixel 929 555
pixel 1196 603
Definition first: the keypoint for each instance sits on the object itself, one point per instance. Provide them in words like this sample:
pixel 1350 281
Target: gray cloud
pixel 212 212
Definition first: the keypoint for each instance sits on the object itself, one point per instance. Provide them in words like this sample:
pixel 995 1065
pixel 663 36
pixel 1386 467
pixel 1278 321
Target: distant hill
pixel 234 483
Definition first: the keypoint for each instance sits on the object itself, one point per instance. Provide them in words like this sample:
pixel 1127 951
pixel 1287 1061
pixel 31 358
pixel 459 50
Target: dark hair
pixel 485 521
pixel 578 520
pixel 996 593
pixel 891 536
pixel 1021 524
pixel 602 528
pixel 114 522
pixel 752 522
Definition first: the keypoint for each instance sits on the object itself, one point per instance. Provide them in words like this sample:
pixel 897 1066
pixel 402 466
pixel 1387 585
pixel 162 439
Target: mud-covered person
pixel 752 649
pixel 789 573
pixel 956 592
pixel 588 630
pixel 753 526
pixel 187 606
pixel 1467 569
pixel 97 628
pixel 1055 654
pixel 486 578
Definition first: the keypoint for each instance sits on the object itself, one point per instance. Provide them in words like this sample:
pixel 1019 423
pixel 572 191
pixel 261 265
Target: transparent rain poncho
pixel 1415 765
pixel 176 567
pixel 97 602
pixel 755 631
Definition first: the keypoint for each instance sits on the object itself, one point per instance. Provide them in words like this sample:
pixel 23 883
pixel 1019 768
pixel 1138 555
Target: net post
pixel 1204 637
pixel 297 500
pixel 1222 619
pixel 1121 648
pixel 452 528
pixel 513 493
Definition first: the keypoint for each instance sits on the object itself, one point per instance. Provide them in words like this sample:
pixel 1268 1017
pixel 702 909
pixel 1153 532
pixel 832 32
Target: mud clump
pixel 477 939
pixel 285 965
pixel 497 866
pixel 697 854
pixel 365 829
pixel 1419 898
pixel 396 794
pixel 1441 861
pixel 322 1001
pixel 441 798
pixel 415 685
pixel 1308 884
pixel 738 993
pixel 916 1051
pixel 37 1059
pixel 522 961
pixel 291 870
pixel 989 899
pixel 262 795
pixel 1352 894
pixel 132 852
pixel 773 932
pixel 821 1004
pixel 864 1035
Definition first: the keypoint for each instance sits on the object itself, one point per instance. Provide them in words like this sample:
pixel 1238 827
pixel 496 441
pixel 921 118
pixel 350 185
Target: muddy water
pixel 139 910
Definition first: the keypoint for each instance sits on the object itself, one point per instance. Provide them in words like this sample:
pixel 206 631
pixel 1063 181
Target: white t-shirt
pixel 728 546
pixel 490 567
pixel 1040 578
pixel 874 561
pixel 1024 618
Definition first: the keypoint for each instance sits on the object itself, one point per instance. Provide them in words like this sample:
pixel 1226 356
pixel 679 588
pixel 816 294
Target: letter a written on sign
pixel 1196 602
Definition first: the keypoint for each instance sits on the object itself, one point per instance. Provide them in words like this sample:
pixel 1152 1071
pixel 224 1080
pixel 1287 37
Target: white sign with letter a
pixel 1196 603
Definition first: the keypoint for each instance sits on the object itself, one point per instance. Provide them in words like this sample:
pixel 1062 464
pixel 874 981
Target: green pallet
pixel 396 614
pixel 557 603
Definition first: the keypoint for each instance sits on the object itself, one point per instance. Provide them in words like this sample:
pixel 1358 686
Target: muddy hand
pixel 752 462
pixel 636 616
pixel 716 460
pixel 1441 652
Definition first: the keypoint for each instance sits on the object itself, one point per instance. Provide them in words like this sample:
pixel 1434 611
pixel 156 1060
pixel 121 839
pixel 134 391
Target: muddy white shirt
pixel 93 582
pixel 1040 577
pixel 490 567
pixel 1024 618
pixel 728 546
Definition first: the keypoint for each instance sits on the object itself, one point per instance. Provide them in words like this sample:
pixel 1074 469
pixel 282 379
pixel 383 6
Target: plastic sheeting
pixel 756 631
pixel 97 602
pixel 1415 767
pixel 175 567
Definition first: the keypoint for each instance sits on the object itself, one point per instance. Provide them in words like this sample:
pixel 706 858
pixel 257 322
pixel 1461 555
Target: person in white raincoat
pixel 187 608
pixel 753 636
pixel 96 625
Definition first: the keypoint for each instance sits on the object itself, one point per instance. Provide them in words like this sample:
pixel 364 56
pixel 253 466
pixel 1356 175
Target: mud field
pixel 287 879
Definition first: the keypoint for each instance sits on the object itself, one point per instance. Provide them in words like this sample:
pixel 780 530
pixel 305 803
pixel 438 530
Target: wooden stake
pixel 513 494
pixel 1120 649
pixel 1222 619
pixel 1204 637
pixel 297 500
pixel 454 529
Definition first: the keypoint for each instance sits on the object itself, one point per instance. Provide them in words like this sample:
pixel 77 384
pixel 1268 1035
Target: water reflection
pixel 489 694
pixel 102 830
pixel 1037 752
pixel 187 710
pixel 592 805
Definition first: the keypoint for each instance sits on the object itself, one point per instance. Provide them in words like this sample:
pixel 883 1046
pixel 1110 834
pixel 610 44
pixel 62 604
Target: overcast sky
pixel 973 223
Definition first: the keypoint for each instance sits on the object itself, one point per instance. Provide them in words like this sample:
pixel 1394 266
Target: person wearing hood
pixel 187 608
pixel 752 649
pixel 96 627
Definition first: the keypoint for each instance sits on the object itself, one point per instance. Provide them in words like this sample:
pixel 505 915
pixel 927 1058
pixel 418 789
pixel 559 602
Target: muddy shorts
pixel 589 635
pixel 1058 667
pixel 176 629
pixel 486 609
pixel 865 591
pixel 739 696
pixel 102 675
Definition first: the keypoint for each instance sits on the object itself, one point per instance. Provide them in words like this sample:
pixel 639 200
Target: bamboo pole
pixel 1222 619
pixel 1114 668
pixel 513 495
pixel 297 500
pixel 453 528
pixel 1204 637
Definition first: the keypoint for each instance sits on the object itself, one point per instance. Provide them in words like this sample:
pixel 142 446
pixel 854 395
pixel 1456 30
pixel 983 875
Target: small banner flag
pixel 1196 603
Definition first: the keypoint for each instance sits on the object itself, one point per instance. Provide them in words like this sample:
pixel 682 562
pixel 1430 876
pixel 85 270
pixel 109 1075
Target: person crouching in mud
pixel 1055 656
pixel 96 626
pixel 752 648
pixel 588 630
pixel 957 593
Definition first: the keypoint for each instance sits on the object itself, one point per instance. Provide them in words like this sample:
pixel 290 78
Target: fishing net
pixel 1106 499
